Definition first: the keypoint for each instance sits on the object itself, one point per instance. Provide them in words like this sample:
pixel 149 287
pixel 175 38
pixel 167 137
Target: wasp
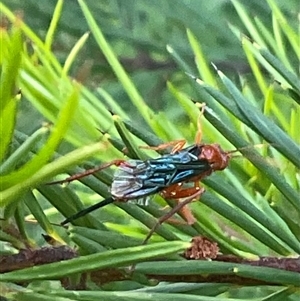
pixel 174 176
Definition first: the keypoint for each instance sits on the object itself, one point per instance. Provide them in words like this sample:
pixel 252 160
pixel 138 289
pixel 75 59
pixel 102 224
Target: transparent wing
pixel 131 180
pixel 136 179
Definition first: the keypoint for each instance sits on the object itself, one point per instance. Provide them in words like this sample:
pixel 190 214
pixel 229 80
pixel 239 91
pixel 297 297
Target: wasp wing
pixel 137 179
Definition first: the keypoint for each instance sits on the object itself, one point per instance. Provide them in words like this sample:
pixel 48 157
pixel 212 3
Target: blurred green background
pixel 139 32
pixel 250 208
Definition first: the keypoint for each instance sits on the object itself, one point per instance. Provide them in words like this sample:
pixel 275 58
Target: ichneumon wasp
pixel 174 176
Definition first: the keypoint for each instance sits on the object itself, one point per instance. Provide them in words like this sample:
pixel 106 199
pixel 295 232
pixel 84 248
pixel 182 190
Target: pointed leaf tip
pixel 220 73
pixel 191 75
pixel 195 78
pixel 215 67
pixel 169 48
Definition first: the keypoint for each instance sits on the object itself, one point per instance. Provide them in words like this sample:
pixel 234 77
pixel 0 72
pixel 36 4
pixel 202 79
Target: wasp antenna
pixel 87 210
pixel 234 151
pixel 237 156
pixel 249 146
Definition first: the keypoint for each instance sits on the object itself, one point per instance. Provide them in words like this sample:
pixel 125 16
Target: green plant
pixel 251 209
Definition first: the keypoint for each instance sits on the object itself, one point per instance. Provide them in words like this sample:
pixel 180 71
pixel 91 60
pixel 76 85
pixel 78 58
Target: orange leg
pixel 177 192
pixel 88 172
pixel 187 214
pixel 198 136
pixel 174 210
pixel 177 146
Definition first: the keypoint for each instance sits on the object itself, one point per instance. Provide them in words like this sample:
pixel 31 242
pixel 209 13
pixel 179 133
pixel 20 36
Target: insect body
pixel 136 179
pixel 167 175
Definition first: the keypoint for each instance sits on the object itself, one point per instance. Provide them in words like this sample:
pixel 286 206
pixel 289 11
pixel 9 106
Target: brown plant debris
pixel 202 248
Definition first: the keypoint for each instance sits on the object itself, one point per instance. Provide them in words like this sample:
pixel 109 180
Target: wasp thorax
pixel 217 158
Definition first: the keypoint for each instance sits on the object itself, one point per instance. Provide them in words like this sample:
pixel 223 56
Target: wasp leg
pixel 174 210
pixel 198 137
pixel 177 146
pixel 176 192
pixel 87 172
